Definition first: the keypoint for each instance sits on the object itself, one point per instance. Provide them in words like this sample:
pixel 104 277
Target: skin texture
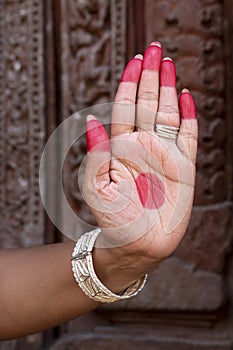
pixel 139 187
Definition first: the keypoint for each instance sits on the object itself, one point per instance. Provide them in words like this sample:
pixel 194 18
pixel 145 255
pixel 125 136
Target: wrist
pixel 118 269
pixel 87 279
pixel 110 271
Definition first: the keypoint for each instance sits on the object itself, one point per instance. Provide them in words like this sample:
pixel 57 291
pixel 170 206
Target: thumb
pixel 98 153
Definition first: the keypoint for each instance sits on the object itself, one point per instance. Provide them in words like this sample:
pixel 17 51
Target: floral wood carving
pixel 21 121
pixel 92 61
pixel 192 34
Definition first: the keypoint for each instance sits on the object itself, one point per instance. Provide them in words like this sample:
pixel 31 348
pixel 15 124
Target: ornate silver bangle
pixel 85 276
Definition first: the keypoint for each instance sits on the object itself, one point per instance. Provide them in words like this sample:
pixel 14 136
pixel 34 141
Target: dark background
pixel 57 57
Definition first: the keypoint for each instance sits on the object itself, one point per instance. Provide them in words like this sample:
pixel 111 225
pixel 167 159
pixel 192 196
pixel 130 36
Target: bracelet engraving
pixel 85 276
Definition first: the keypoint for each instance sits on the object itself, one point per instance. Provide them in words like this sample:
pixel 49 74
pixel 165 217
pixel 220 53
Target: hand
pixel 139 185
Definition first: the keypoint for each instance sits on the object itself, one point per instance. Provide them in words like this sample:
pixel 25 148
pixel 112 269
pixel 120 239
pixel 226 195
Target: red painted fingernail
pixel 168 73
pixel 187 106
pixel 132 71
pixel 150 190
pixel 152 57
pixel 96 135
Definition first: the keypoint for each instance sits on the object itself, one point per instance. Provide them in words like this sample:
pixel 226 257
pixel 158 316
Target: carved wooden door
pixel 60 56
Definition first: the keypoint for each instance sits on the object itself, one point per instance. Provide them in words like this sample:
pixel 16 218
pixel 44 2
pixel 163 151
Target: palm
pixel 143 195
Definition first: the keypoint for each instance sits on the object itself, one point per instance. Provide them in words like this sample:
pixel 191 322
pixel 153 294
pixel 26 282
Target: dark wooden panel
pixel 228 30
pixel 22 122
pixel 136 26
pixel 22 131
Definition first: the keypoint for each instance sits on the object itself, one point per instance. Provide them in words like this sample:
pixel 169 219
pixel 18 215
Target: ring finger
pixel 168 112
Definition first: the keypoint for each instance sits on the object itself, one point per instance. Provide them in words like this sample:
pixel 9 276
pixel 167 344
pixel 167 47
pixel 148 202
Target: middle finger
pixel 148 92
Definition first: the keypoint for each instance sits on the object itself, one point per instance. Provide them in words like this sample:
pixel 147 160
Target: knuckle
pixel 169 109
pixel 147 95
pixel 124 100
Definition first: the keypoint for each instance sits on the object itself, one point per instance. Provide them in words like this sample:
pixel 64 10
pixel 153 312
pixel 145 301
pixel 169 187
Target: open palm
pixel 139 184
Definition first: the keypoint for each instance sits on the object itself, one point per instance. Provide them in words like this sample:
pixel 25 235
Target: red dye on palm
pixel 150 190
pixel 96 136
pixel 187 106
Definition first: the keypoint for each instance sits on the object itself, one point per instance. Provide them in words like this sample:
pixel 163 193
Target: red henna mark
pixel 168 73
pixel 152 58
pixel 132 71
pixel 97 137
pixel 187 106
pixel 150 190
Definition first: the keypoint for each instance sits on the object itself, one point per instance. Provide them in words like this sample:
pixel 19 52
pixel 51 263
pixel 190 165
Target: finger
pixel 187 138
pixel 148 92
pixel 99 152
pixel 168 113
pixel 123 114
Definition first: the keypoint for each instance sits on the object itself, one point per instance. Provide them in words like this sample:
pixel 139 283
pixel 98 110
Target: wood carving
pixel 21 122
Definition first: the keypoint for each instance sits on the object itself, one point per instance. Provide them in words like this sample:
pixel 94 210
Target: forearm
pixel 38 290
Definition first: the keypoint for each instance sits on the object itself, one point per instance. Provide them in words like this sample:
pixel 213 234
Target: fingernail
pixel 156 43
pixel 167 59
pixel 185 91
pixel 139 56
pixel 90 117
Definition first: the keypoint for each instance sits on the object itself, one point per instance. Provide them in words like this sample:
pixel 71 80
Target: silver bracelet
pixel 85 276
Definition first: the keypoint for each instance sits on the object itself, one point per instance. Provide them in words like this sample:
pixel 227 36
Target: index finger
pixel 123 118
